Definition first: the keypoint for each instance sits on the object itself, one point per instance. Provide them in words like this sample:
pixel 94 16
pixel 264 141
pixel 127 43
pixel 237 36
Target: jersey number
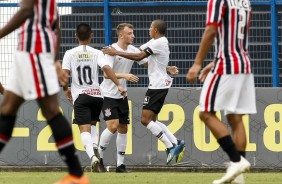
pixel 242 23
pixel 84 75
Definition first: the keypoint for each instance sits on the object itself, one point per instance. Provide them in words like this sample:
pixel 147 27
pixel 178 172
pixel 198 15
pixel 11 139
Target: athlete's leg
pixel 62 133
pixel 9 108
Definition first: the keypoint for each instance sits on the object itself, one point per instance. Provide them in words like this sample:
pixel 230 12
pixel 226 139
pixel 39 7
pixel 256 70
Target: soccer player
pixel 115 107
pixel 157 52
pixel 34 76
pixel 82 62
pixel 229 86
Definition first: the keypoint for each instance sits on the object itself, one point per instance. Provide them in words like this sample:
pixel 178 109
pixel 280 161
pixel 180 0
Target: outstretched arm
pixel 128 76
pixel 133 56
pixel 25 11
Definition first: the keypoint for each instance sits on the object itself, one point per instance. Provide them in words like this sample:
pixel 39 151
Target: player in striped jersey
pixel 229 85
pixel 34 76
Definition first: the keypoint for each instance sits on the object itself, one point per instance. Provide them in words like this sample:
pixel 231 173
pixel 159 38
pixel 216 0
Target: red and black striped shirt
pixel 38 33
pixel 232 17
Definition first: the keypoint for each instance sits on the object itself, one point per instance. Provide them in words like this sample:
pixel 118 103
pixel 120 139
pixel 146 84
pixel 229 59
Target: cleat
pixel 121 169
pixel 70 179
pixel 94 164
pixel 239 179
pixel 234 169
pixel 181 145
pixel 101 167
pixel 171 153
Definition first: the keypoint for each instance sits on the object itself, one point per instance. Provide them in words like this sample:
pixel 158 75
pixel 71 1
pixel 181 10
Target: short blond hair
pixel 121 27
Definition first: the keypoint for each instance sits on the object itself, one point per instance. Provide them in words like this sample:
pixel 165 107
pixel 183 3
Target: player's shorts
pixel 33 76
pixel 154 99
pixel 86 109
pixel 234 94
pixel 116 109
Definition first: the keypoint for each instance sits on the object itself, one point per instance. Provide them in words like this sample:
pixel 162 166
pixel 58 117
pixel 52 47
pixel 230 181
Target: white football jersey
pixel 157 63
pixel 119 65
pixel 82 62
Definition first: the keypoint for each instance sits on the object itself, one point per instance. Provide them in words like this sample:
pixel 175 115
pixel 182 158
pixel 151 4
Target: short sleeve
pixel 215 12
pixel 105 59
pixel 67 61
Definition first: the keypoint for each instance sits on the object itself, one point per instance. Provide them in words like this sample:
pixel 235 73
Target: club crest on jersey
pixel 146 100
pixel 107 112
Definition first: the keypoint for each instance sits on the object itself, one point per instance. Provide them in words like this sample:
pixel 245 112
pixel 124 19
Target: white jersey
pixel 119 65
pixel 157 63
pixel 82 62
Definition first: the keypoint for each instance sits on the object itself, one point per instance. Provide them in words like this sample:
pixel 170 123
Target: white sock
pixel 167 132
pixel 157 131
pixel 121 147
pixel 94 135
pixel 104 141
pixel 87 143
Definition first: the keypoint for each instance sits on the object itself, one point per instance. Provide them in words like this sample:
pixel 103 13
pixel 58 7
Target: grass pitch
pixel 136 178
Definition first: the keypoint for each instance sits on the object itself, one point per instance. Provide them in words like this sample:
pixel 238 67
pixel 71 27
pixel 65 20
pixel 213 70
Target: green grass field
pixel 136 178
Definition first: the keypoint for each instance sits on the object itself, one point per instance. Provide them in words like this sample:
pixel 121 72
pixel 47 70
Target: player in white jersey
pixel 115 108
pixel 157 52
pixel 82 62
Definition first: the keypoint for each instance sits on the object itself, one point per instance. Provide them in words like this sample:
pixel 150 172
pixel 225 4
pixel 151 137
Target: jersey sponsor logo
pixel 92 92
pixel 108 112
pixel 84 55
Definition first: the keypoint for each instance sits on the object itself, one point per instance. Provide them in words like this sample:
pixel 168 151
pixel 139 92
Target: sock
pixel 94 135
pixel 104 141
pixel 242 153
pixel 87 143
pixel 64 141
pixel 167 132
pixel 157 131
pixel 228 146
pixel 121 147
pixel 7 124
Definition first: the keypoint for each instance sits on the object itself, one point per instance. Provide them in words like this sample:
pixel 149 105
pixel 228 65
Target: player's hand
pixel 68 95
pixel 173 70
pixel 109 50
pixel 131 78
pixel 62 76
pixel 204 72
pixel 121 90
pixel 191 76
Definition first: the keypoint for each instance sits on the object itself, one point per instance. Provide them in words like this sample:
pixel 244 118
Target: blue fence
pixel 185 26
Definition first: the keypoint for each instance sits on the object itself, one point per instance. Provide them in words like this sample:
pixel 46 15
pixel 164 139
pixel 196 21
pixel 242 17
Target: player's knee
pixel 122 129
pixel 145 121
pixel 112 128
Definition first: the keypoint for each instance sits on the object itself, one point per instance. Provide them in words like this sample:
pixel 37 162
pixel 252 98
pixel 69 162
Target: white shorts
pixel 33 76
pixel 234 94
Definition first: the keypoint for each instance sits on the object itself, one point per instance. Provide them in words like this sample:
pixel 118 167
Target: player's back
pixel 84 61
pixel 37 34
pixel 231 44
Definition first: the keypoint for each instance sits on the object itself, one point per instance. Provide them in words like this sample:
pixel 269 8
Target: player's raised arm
pixel 25 12
pixel 133 56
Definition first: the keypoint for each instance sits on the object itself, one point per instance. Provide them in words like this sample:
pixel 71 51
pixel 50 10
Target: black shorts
pixel 116 109
pixel 154 99
pixel 86 109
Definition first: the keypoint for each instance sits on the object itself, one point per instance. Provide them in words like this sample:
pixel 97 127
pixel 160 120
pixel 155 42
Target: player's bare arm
pixel 111 74
pixel 173 70
pixel 133 56
pixel 25 12
pixel 66 88
pixel 205 46
pixel 204 72
pixel 128 76
pixel 62 76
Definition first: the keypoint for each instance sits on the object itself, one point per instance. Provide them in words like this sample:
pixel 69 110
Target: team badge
pixel 146 100
pixel 108 112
